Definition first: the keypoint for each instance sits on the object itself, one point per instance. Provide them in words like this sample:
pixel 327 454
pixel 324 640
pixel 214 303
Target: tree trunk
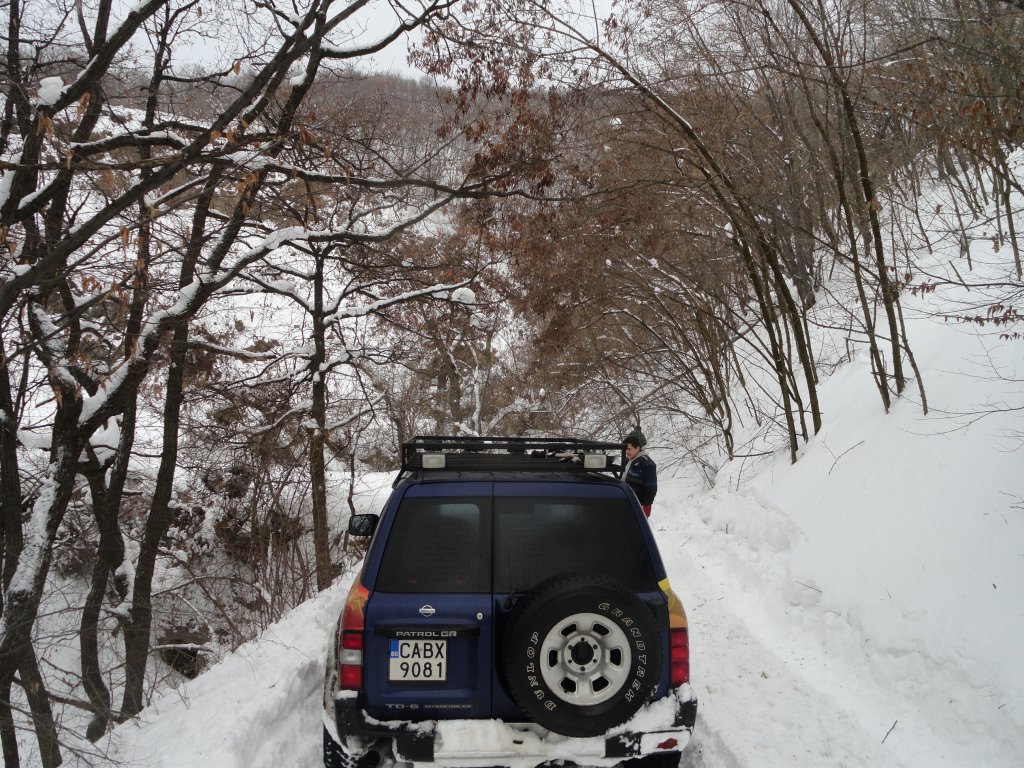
pixel 137 629
pixel 39 706
pixel 106 503
pixel 25 591
pixel 1002 173
pixel 317 467
pixel 88 633
pixel 10 479
pixel 838 177
pixel 8 737
pixel 770 318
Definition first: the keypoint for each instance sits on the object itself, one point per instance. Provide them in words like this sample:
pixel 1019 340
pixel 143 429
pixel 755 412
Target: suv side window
pixel 439 545
pixel 536 538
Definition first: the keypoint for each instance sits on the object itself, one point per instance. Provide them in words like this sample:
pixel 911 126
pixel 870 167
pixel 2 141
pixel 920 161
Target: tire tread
pixel 567 719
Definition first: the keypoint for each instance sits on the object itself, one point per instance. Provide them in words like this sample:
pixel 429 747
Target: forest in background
pixel 228 291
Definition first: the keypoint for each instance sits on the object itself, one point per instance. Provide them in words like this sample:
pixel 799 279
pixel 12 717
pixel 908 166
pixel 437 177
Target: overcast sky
pixel 234 35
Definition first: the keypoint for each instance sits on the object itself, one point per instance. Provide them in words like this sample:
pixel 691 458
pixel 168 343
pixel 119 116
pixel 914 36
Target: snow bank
pixel 863 606
pixel 260 706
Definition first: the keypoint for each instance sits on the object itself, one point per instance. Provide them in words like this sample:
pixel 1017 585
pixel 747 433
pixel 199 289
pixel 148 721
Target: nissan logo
pixel 427 611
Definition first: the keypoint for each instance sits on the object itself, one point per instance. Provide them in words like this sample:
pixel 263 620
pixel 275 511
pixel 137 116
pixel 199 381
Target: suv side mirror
pixel 363 525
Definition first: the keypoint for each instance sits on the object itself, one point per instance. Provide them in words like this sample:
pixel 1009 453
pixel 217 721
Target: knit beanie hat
pixel 636 437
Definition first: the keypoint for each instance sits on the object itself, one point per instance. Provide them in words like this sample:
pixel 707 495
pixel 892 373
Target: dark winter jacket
pixel 642 476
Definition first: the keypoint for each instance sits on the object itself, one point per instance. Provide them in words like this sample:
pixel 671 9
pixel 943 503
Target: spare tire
pixel 581 654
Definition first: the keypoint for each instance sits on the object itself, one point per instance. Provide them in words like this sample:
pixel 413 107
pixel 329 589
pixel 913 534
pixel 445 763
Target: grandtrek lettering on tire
pixel 589 638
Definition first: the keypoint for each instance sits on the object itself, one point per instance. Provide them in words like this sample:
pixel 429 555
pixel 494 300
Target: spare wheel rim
pixel 585 659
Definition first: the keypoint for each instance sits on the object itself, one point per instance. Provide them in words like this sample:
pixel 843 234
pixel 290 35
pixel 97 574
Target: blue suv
pixel 512 609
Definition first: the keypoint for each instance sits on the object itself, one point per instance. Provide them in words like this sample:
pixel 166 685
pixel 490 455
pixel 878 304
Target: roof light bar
pixel 462 453
pixel 433 461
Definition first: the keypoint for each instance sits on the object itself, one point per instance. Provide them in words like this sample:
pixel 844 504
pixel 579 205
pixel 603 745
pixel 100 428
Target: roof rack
pixel 510 454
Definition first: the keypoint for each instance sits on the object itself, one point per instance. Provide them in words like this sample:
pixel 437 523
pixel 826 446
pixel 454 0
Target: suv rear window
pixel 443 544
pixel 538 538
pixel 438 545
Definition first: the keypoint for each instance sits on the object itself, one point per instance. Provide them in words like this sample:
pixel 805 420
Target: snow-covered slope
pixel 865 606
pixel 260 706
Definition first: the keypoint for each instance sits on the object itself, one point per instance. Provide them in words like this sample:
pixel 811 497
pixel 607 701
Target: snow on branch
pixel 367 409
pixel 98 408
pixel 438 291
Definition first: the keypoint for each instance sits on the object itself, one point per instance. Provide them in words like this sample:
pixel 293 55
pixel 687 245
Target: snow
pixel 6 180
pixel 464 296
pixel 859 608
pixel 105 440
pixel 50 89
pixel 259 706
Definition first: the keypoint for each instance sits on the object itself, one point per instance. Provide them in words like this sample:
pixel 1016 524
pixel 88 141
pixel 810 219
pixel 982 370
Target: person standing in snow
pixel 640 473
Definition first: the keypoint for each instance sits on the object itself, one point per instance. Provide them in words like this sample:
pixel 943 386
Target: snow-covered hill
pixel 865 607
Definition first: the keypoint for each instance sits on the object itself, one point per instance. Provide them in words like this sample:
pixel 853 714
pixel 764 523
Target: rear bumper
pixel 663 725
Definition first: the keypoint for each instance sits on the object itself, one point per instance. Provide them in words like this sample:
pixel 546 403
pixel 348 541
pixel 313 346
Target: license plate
pixel 418 661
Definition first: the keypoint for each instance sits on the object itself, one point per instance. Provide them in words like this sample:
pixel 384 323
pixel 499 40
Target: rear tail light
pixel 679 638
pixel 350 638
pixel 679 657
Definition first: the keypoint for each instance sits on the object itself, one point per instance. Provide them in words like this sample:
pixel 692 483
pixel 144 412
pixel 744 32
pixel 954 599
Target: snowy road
pixel 762 704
